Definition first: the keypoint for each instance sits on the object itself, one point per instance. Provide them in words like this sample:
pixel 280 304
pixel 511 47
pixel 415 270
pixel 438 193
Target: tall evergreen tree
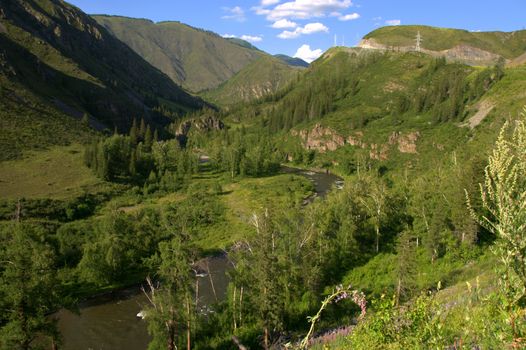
pixel 28 288
pixel 142 129
pixel 134 133
pixel 170 315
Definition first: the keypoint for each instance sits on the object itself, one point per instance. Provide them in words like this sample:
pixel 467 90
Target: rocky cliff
pixel 325 139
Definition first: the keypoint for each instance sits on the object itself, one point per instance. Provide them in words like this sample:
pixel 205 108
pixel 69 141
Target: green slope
pixel 293 61
pixel 194 58
pixel 57 63
pixel 506 44
pixel 356 105
pixel 262 77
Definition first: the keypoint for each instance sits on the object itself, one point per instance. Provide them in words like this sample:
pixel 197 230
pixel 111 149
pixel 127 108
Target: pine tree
pixel 148 138
pixel 134 132
pixel 270 301
pixel 28 287
pixel 406 265
pixel 85 120
pixel 133 163
pixel 142 129
pixel 171 310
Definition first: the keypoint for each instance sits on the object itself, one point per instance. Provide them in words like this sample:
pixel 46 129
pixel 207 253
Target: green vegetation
pixel 46 80
pixel 508 45
pixel 293 61
pixel 409 133
pixel 194 58
pixel 56 173
pixel 260 78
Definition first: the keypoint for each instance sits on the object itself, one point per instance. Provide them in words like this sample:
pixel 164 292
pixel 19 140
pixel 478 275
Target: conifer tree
pixel 85 120
pixel 28 288
pixel 148 139
pixel 134 132
pixel 133 163
pixel 170 314
pixel 406 265
pixel 142 129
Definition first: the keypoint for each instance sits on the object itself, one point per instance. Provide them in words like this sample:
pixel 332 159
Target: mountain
pixel 475 48
pixel 262 77
pixel 387 106
pixel 242 43
pixel 194 58
pixel 292 61
pixel 57 62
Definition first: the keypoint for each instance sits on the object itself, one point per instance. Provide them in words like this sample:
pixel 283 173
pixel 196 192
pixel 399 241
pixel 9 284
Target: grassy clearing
pixel 57 173
pixel 248 196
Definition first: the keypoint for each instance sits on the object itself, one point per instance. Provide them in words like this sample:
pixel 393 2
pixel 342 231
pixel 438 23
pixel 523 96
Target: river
pixel 109 322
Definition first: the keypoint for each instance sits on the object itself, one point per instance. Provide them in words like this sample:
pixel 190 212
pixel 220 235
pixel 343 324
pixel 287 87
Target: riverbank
pixel 120 306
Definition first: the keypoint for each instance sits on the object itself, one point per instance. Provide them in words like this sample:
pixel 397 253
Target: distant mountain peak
pixel 292 61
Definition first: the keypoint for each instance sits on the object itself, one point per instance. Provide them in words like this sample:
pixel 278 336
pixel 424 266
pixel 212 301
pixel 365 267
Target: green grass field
pixel 57 173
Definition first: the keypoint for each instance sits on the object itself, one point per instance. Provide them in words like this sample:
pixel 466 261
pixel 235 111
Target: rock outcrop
pixel 324 139
pixel 205 123
pixel 321 139
pixel 405 143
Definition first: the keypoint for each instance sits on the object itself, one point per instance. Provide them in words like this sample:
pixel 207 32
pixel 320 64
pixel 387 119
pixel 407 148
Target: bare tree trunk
pixel 188 326
pixel 211 281
pixel 240 305
pixel 234 308
pixel 239 345
pixel 377 238
pixel 171 335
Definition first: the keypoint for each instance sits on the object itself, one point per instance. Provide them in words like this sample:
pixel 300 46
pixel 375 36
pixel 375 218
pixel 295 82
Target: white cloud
pixel 269 2
pixel 310 28
pixel 303 9
pixel 349 17
pixel 235 13
pixel 284 23
pixel 252 38
pixel 393 22
pixel 308 55
pixel 249 38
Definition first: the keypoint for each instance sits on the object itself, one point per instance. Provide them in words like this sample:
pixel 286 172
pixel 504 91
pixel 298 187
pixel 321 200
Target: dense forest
pixel 417 240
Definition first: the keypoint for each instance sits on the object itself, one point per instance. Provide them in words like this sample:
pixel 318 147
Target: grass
pixel 57 173
pixel 265 75
pixel 194 58
pixel 509 45
pixel 241 198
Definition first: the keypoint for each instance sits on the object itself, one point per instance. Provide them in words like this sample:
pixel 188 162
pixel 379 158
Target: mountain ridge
pixel 195 58
pixel 474 48
pixel 57 58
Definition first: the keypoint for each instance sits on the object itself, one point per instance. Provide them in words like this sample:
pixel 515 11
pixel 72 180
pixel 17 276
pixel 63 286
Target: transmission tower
pixel 418 42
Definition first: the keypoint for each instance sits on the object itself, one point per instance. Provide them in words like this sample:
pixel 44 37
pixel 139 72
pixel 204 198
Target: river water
pixel 109 322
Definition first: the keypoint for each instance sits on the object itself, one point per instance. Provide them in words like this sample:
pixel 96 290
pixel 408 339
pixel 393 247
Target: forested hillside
pixel 194 58
pixel 58 64
pixel 372 200
pixel 263 77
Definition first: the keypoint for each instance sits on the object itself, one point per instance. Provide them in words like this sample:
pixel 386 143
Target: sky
pixel 306 28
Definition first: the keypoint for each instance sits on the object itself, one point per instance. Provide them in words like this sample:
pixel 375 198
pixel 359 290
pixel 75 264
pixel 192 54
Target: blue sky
pixel 308 27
